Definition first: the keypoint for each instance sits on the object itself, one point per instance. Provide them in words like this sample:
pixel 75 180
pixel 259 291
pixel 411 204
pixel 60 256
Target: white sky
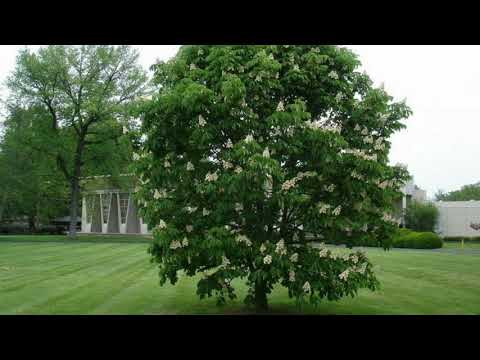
pixel 440 83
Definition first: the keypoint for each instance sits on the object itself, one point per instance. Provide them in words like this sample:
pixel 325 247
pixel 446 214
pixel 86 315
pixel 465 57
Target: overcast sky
pixel 440 83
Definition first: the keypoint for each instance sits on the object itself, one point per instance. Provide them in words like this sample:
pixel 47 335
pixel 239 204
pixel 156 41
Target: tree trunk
pixel 75 189
pixel 261 303
pixel 32 224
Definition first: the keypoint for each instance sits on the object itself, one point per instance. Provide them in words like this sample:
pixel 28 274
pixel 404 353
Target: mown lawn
pixel 113 275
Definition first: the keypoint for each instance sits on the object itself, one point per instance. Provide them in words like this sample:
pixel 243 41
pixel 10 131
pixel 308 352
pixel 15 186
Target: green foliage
pixel 248 149
pixel 87 96
pixel 466 193
pixel 421 217
pixel 417 240
pixel 461 238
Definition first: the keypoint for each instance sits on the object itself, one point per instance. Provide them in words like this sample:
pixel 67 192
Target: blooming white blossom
pixel 295 67
pixel 189 228
pixel 323 253
pixel 368 140
pixel 364 131
pixel 245 239
pixel 190 209
pixel 229 144
pixel 355 175
pixel 330 188
pixel 365 227
pixel 190 166
pixel 205 212
pixel 267 259
pixel 166 164
pixel 294 258
pixel 306 287
pixel 333 75
pixel 344 275
pixel 185 241
pixel 136 157
pixel 249 138
pixel 258 78
pixel 175 245
pixel 337 210
pixel 263 248
pixel 266 153
pixel 238 169
pixel 291 276
pixel 323 208
pixel 280 106
pixel 238 207
pixel 159 194
pixel 288 184
pixel 227 165
pixel 354 258
pixel 201 120
pixel 357 127
pixel 211 177
pixel 162 225
pixel 280 248
pixel 225 261
pixel 193 66
pixel 124 129
pixel 339 96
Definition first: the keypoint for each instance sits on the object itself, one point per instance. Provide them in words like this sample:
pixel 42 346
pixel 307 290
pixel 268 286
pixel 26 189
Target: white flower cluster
pixel 201 121
pixel 306 287
pixel 159 194
pixel 337 210
pixel 389 218
pixel 354 258
pixel 263 248
pixel 227 165
pixel 177 244
pixel 205 212
pixel 361 269
pixel 323 125
pixel 280 106
pixel 225 261
pixel 266 153
pixel 368 140
pixel 355 175
pixel 280 248
pixel 267 259
pixel 229 144
pixel 193 66
pixel 189 228
pixel 238 170
pixel 294 258
pixel 323 208
pixel 333 75
pixel 344 275
pixel 243 239
pixel 324 253
pixel 191 209
pixel 339 96
pixel 161 225
pixel 136 157
pixel 288 184
pixel 190 166
pixel 360 153
pixel 166 164
pixel 330 188
pixel 238 207
pixel 249 138
pixel 211 177
pixel 291 276
pixel 379 144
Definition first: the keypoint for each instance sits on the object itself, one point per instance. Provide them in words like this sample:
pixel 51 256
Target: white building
pixel 458 218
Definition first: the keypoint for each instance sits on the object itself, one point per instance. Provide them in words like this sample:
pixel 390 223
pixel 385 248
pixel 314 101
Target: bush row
pixel 460 238
pixel 11 229
pixel 417 240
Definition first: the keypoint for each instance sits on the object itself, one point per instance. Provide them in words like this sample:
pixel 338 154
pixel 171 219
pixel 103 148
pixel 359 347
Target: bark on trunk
pixel 75 189
pixel 32 224
pixel 261 303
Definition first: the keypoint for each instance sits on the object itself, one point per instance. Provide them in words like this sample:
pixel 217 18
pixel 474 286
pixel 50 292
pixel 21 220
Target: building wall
pixel 456 218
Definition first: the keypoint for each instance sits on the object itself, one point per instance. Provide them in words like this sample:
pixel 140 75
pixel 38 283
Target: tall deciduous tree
pixel 254 154
pixel 86 91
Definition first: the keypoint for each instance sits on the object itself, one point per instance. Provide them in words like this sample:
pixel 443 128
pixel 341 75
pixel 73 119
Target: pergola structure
pixel 108 206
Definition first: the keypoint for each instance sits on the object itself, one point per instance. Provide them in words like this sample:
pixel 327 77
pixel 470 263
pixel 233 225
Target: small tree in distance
pixel 253 154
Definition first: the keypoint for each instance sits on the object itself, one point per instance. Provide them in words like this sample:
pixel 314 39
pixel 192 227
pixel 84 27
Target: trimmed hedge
pixel 417 240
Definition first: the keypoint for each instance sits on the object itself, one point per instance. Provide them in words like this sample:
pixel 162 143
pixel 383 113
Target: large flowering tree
pixel 254 155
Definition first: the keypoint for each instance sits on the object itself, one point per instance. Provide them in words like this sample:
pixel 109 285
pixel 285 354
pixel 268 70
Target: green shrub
pixel 460 238
pixel 417 240
pixel 421 217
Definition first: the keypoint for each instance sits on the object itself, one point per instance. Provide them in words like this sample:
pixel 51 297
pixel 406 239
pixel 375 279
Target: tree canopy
pixel 466 193
pixel 253 155
pixel 86 93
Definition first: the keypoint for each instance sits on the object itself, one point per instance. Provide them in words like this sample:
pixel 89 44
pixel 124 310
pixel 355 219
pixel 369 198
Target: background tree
pixel 32 187
pixel 466 193
pixel 254 153
pixel 86 91
pixel 421 217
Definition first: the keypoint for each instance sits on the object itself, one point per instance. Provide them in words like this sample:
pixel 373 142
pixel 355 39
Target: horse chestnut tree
pixel 253 156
